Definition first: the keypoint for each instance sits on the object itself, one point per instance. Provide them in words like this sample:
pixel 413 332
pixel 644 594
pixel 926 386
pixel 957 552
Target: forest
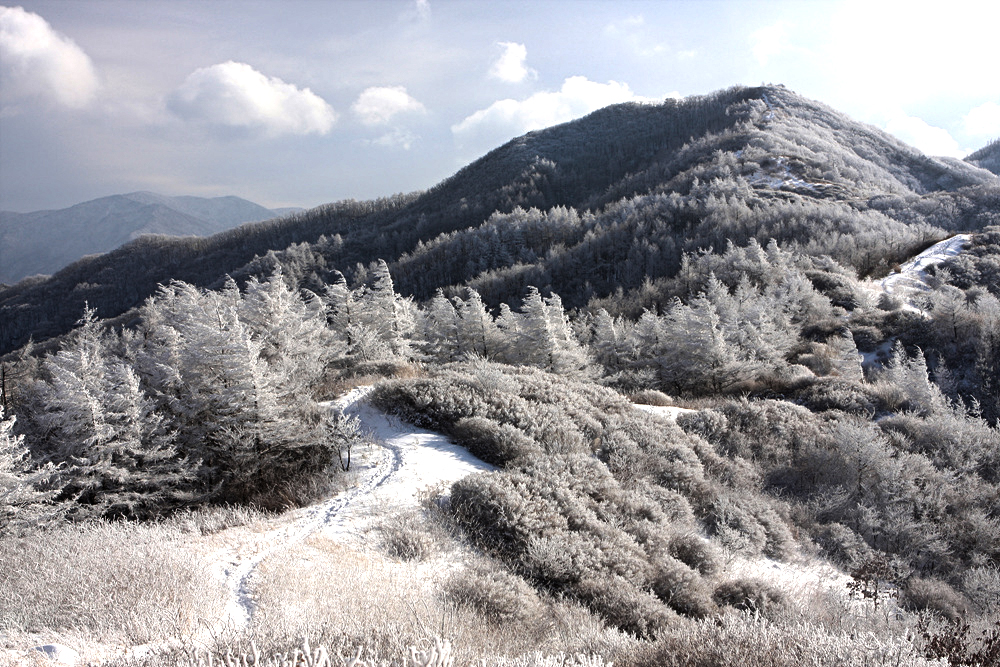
pixel 723 255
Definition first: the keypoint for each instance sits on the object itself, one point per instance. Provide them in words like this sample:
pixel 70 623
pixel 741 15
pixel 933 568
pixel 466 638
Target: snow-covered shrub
pixel 695 551
pixel 710 425
pixel 752 596
pixel 651 397
pixel 681 588
pixel 624 605
pixel 494 443
pixel 837 394
pixel 499 597
pixel 935 596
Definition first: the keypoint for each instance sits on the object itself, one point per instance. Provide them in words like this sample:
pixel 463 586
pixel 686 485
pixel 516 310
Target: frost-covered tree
pixel 477 331
pixel 26 491
pixel 235 373
pixel 291 330
pixel 909 375
pixel 438 329
pixel 844 357
pixel 93 418
pixel 537 340
pixel 607 340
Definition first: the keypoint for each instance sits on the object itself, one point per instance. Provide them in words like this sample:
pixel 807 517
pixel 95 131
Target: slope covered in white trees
pixel 519 323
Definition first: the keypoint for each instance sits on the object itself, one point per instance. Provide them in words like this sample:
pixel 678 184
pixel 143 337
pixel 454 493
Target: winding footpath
pixel 405 460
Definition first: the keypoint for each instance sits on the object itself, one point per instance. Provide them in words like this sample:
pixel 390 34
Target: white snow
pixel 912 276
pixel 911 279
pixel 770 107
pixel 668 411
pixel 404 461
pixel 786 178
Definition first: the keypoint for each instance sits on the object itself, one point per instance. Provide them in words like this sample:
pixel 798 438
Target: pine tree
pixel 606 341
pixel 340 306
pixel 101 428
pixel 26 492
pixel 438 329
pixel 845 358
pixel 537 339
pixel 478 333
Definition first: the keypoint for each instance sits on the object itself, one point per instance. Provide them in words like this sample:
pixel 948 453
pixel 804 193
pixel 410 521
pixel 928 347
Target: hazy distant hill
pixel 43 242
pixel 588 209
pixel 987 157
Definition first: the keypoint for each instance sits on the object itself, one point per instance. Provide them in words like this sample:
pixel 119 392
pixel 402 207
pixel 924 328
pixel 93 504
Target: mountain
pixel 987 157
pixel 604 205
pixel 43 242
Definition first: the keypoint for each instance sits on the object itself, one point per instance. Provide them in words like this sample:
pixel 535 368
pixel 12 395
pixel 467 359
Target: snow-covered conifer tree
pixel 23 503
pixel 477 331
pixel 97 423
pixel 438 329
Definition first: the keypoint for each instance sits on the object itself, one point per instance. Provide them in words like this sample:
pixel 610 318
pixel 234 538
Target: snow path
pixel 668 411
pixel 912 276
pixel 405 461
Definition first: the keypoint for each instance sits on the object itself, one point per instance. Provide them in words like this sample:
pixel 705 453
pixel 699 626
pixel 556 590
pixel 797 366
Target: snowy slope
pixel 912 276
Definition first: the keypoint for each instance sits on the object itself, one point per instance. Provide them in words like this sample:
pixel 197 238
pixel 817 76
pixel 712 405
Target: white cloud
pixel 929 139
pixel 378 105
pixel 396 138
pixel 423 9
pixel 633 31
pixel 984 120
pixel 510 66
pixel 508 118
pixel 770 41
pixel 236 95
pixel 884 55
pixel 36 62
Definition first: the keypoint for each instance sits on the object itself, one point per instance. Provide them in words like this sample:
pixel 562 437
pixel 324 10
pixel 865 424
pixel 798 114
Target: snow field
pixel 912 276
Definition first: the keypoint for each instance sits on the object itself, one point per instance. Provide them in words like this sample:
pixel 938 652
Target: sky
pixel 304 102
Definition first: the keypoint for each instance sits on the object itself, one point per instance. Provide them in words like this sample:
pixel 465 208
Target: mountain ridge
pixel 987 157
pixel 583 208
pixel 42 242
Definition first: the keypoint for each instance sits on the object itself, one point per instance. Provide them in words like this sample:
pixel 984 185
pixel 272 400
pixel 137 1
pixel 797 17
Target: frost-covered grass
pixel 115 583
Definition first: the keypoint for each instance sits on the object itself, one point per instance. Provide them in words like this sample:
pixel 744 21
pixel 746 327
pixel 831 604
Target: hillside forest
pixel 727 254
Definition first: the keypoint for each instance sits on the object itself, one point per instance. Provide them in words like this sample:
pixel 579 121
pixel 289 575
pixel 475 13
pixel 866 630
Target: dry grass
pixel 126 584
pixel 332 593
pixel 744 641
pixel 338 381
pixel 113 582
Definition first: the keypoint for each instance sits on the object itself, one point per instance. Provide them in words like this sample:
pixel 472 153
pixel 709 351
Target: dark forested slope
pixel 584 208
pixel 987 157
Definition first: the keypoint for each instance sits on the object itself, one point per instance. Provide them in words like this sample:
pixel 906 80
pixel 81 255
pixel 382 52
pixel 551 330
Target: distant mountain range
pixel 603 211
pixel 42 242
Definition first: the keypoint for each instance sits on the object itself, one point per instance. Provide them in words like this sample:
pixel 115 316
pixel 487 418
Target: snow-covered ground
pixel 785 178
pixel 668 411
pixel 391 475
pixel 402 462
pixel 422 460
pixel 912 276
